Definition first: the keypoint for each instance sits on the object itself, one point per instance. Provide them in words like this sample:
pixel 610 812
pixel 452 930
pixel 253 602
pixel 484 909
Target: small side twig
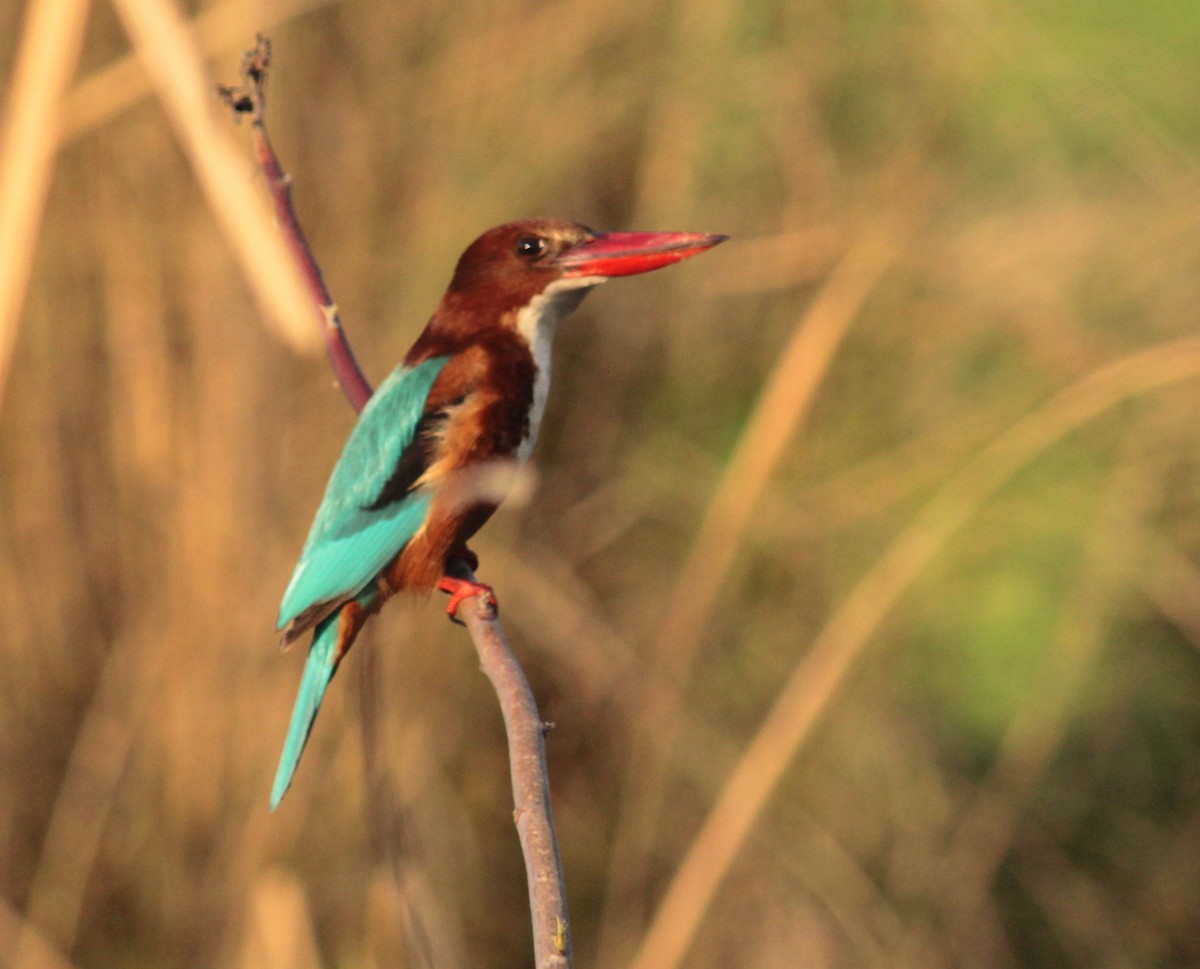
pixel 522 722
pixel 250 98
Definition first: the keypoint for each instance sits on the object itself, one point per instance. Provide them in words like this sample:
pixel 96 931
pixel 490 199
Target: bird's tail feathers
pixel 331 641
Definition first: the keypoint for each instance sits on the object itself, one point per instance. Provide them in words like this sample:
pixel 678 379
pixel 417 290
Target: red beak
pixel 627 253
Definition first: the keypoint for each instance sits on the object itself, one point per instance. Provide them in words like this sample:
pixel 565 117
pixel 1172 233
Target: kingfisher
pixel 411 486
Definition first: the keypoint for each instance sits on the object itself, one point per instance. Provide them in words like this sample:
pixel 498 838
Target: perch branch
pixel 522 722
pixel 531 789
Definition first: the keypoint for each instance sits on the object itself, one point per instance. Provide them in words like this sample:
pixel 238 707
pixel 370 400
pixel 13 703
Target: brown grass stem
pixel 987 827
pixel 17 933
pixel 85 796
pixel 824 668
pixel 668 169
pixel 46 60
pixel 166 46
pixel 121 84
pixel 392 827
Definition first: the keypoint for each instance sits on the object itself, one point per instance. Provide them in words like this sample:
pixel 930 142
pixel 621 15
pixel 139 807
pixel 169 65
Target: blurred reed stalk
pixel 102 95
pixel 984 833
pixel 167 49
pixel 19 935
pixel 824 668
pixel 46 60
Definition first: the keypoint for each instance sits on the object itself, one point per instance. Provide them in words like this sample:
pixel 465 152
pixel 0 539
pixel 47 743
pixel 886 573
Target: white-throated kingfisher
pixel 404 497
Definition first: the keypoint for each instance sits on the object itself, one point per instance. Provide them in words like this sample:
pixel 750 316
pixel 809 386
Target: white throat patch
pixel 537 323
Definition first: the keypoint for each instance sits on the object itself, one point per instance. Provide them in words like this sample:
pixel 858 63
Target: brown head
pixel 527 256
pixel 529 275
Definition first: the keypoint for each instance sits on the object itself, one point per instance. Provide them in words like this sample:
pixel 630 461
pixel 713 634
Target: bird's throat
pixel 537 322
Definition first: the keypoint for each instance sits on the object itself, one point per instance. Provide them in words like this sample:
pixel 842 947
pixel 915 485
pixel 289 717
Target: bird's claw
pixel 466 556
pixel 460 589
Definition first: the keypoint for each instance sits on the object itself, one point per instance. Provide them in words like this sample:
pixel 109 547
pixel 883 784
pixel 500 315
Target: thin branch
pixel 522 722
pixel 531 787
pixel 251 99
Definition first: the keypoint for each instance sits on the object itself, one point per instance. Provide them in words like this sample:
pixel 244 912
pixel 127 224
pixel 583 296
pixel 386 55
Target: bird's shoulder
pixel 482 401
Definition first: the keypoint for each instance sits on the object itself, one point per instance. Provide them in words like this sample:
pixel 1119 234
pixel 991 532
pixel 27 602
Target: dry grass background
pixel 860 578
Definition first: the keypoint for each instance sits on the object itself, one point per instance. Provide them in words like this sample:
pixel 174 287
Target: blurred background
pixel 897 491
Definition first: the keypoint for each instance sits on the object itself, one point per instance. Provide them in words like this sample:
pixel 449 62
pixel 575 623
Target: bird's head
pixel 534 254
pixel 534 272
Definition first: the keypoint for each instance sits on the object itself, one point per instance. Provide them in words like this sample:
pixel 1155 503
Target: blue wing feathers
pixel 350 541
pixel 339 568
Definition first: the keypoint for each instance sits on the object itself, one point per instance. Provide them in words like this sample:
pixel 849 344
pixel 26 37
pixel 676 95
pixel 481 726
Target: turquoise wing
pixel 355 534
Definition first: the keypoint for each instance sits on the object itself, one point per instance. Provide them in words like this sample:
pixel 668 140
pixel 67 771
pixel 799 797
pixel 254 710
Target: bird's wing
pixel 368 512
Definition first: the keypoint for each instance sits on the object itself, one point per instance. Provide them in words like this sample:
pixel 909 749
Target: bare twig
pixel 522 722
pixel 251 99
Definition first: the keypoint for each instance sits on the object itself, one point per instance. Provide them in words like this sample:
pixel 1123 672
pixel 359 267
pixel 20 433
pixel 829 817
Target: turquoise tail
pixel 318 671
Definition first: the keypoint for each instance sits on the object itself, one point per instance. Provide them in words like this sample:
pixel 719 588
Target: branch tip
pixel 250 97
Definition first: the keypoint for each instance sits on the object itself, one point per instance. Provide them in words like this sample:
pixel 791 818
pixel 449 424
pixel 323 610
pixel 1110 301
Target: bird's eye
pixel 530 247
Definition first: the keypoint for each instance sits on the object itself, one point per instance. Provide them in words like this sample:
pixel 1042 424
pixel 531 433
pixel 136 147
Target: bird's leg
pixel 458 558
pixel 464 555
pixel 460 589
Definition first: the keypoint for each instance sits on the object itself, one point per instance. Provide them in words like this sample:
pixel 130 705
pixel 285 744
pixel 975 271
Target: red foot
pixel 460 589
